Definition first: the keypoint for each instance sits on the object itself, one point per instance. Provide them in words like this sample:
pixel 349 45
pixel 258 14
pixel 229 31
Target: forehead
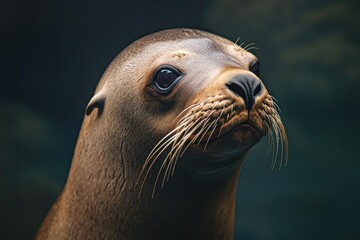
pixel 203 47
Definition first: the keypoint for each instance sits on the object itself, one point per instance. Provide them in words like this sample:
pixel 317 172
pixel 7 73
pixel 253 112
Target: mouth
pixel 224 150
pixel 243 133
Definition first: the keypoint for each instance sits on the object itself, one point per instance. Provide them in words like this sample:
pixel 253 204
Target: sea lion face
pixel 199 74
pixel 198 98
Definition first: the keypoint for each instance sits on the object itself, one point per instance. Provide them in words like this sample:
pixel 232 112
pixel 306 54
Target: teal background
pixel 54 52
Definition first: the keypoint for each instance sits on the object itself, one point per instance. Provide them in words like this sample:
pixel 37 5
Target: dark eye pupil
pixel 165 78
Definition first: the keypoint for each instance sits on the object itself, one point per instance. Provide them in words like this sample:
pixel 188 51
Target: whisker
pixel 206 128
pixel 168 142
pixel 181 144
pixel 251 48
pixel 202 129
pixel 164 162
pixel 193 140
pixel 250 44
pixel 162 142
pixel 176 148
pixel 277 136
pixel 187 110
pixel 178 151
pixel 205 131
pixel 215 125
pixel 277 108
pixel 210 135
pixel 269 135
pixel 274 99
pixel 160 145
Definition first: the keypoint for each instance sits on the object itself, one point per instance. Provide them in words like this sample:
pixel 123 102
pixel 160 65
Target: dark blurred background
pixel 54 52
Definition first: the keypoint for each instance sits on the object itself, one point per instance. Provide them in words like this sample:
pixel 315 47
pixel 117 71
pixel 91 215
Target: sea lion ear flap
pixel 97 101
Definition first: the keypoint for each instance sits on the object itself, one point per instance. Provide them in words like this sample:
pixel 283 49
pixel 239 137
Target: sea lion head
pixel 185 98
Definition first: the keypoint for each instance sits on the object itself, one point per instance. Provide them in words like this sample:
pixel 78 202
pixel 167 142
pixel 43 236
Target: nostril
pixel 247 87
pixel 243 91
pixel 238 89
pixel 257 89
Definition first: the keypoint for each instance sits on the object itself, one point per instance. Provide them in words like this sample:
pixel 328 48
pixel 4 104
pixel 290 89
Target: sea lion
pixel 178 102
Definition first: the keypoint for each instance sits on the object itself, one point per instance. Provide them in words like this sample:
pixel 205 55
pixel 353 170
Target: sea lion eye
pixel 166 78
pixel 255 68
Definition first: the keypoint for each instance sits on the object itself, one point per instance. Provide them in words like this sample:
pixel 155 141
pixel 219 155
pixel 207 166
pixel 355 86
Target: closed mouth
pixel 219 134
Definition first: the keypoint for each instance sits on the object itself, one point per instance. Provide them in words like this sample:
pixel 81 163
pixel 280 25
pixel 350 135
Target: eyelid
pixel 166 66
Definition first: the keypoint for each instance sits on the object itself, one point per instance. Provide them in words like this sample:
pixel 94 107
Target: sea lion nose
pixel 246 86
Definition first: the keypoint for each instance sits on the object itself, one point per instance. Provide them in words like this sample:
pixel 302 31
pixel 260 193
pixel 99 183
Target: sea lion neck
pixel 101 187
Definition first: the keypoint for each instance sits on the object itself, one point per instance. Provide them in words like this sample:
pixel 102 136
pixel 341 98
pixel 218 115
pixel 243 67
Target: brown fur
pixel 100 198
